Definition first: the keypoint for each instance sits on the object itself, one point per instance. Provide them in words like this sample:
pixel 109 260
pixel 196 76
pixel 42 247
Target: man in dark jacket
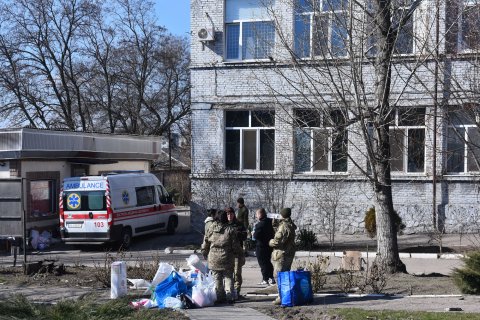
pixel 263 233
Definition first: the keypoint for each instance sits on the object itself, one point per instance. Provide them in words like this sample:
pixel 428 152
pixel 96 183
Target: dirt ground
pixel 398 284
pixel 71 277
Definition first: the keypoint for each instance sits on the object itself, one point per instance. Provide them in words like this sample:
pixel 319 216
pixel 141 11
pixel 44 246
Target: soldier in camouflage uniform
pixel 242 212
pixel 283 244
pixel 242 217
pixel 219 248
pixel 210 218
pixel 240 257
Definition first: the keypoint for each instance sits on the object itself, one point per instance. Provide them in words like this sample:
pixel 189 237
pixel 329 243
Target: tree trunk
pixel 387 247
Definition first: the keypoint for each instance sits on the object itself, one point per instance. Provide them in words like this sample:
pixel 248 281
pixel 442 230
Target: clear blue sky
pixel 174 15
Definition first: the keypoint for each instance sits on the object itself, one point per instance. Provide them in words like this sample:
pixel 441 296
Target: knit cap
pixel 286 212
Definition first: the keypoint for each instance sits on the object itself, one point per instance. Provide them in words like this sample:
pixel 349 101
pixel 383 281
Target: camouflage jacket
pixel 221 246
pixel 240 231
pixel 242 216
pixel 283 243
pixel 208 223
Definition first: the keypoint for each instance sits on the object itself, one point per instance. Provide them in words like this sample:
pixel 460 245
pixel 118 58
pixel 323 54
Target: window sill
pixel 249 61
pixel 468 51
pixel 322 58
pixel 461 174
pixel 402 55
pixel 403 173
pixel 247 172
pixel 397 56
pixel 467 177
pixel 321 173
pixel 358 176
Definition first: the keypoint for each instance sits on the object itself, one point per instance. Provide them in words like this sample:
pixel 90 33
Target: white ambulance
pixel 114 208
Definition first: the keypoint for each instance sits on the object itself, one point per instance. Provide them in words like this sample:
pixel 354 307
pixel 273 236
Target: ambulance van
pixel 114 208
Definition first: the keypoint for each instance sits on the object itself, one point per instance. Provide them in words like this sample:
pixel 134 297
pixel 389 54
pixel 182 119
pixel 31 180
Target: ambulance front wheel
pixel 126 239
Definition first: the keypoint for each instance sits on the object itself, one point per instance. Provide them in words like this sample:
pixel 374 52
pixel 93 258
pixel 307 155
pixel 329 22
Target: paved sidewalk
pixel 226 313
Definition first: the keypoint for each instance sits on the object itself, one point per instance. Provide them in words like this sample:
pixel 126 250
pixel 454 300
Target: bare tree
pixel 343 81
pixel 103 70
pixel 154 75
pixel 89 65
pixel 328 198
pixel 21 102
pixel 45 35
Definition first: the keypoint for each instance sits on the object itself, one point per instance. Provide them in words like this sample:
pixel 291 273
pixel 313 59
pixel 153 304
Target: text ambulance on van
pixel 114 207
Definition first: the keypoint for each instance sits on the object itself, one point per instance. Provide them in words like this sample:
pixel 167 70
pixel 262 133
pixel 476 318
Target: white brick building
pixel 243 143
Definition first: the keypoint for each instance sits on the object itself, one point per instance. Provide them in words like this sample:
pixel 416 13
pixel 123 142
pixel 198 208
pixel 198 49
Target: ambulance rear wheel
pixel 126 239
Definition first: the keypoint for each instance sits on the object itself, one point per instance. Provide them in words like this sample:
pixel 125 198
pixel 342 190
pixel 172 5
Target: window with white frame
pixel 249 30
pixel 469 25
pixel 249 140
pixel 404 36
pixel 407 140
pixel 463 141
pixel 320 142
pixel 321 28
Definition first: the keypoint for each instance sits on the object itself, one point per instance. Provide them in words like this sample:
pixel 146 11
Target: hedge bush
pixel 467 278
pixel 306 240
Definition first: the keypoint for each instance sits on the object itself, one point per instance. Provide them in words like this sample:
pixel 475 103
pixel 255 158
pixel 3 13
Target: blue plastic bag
pixel 295 288
pixel 172 286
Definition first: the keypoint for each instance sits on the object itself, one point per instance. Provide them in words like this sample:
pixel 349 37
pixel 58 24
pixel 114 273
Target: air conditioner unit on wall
pixel 206 34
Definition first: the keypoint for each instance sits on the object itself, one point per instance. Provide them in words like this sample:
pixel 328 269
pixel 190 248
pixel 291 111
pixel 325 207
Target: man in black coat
pixel 263 233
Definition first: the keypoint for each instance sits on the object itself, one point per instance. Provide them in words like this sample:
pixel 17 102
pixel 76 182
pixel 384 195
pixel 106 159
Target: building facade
pixel 33 164
pixel 261 72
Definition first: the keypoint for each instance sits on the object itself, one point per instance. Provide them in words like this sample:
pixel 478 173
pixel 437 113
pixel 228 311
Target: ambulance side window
pixel 161 196
pixel 168 198
pixel 145 196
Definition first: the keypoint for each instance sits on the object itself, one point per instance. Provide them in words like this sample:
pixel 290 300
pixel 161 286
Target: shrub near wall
pixel 467 278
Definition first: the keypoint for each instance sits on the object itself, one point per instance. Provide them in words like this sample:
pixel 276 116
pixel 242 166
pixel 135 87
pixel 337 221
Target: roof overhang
pixel 76 147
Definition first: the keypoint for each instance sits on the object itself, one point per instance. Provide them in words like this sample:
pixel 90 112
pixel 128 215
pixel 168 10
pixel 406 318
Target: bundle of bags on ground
pixel 178 289
pixel 40 241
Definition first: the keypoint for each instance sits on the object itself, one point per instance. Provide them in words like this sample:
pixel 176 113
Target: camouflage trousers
pixel 237 273
pixel 223 290
pixel 282 264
